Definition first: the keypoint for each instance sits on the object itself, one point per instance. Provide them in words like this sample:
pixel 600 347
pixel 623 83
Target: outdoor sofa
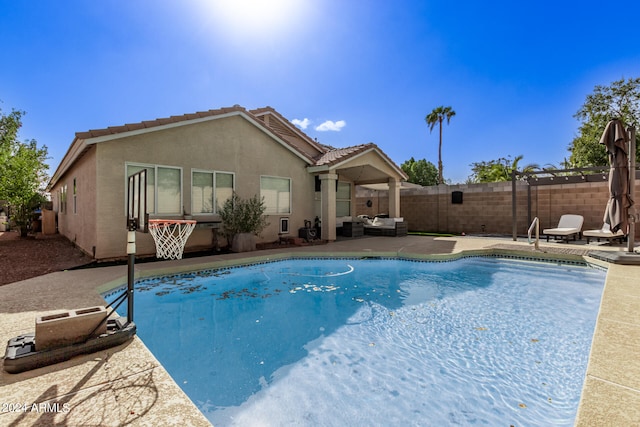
pixel 385 226
pixel 378 226
pixel 569 226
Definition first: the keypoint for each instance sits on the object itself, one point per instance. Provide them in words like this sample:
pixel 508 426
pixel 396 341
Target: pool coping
pixel 259 259
pixel 610 395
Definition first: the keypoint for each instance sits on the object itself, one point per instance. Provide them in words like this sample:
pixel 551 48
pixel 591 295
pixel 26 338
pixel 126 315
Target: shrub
pixel 243 216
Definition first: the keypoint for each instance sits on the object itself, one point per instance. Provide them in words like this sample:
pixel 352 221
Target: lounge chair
pixel 569 225
pixel 604 233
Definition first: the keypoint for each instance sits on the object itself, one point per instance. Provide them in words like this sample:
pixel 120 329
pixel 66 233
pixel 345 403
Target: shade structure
pixel 616 140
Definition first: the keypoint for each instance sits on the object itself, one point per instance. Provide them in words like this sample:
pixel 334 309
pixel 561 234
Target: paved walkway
pixel 126 385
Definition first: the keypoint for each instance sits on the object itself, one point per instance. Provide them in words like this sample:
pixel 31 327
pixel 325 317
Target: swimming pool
pixel 378 342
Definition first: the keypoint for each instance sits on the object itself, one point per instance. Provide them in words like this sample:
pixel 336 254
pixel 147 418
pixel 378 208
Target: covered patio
pixel 360 165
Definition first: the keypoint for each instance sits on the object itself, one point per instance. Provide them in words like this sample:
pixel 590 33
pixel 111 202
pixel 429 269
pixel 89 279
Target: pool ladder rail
pixel 535 225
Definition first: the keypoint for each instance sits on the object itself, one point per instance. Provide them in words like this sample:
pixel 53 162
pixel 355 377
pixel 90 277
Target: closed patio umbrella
pixel 615 138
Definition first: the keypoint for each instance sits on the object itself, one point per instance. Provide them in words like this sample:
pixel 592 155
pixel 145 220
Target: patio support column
pixel 328 209
pixel 394 198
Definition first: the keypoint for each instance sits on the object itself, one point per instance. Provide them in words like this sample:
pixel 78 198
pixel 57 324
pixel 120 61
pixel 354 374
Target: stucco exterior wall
pixel 78 224
pixel 230 144
pixel 371 160
pixel 487 208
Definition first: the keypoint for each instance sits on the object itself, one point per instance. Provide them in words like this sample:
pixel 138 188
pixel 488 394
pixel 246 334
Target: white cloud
pixel 331 126
pixel 302 124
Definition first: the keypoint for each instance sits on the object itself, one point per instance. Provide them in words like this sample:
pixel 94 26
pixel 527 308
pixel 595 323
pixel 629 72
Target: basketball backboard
pixel 137 215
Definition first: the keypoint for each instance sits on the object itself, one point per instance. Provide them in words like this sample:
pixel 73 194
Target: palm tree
pixel 436 116
pixel 528 168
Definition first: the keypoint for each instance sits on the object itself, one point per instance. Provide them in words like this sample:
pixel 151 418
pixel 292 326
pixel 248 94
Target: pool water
pixel 477 341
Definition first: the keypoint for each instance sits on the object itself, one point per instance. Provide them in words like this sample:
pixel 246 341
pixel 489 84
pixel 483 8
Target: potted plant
pixel 242 221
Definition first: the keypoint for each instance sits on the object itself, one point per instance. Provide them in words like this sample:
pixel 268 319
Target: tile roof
pixel 317 154
pixel 336 155
pixel 112 130
pixel 289 133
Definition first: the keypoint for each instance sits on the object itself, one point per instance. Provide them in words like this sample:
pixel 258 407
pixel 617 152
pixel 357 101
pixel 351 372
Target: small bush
pixel 243 216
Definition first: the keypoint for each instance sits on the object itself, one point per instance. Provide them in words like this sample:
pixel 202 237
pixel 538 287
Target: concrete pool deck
pixel 126 385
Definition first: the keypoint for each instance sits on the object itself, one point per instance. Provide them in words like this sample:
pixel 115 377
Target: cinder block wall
pixel 487 208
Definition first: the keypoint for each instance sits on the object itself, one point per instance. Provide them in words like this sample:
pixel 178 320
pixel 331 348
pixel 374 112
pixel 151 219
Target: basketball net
pixel 170 236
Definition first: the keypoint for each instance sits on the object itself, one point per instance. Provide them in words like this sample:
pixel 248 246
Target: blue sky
pixel 358 71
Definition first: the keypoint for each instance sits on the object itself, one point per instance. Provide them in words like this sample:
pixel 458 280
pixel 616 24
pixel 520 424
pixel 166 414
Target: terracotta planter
pixel 243 242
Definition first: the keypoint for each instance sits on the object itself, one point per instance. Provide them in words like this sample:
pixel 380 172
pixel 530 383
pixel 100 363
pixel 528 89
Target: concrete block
pixel 69 327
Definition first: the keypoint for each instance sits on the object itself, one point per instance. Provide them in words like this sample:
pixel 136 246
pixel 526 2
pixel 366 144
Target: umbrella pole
pixel 632 183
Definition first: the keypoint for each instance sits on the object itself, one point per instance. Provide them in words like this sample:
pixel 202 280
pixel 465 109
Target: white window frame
pixel 215 187
pixel 155 186
pixel 63 199
pixel 277 211
pixel 214 193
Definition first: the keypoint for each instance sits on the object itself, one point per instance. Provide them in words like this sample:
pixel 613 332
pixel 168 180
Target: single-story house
pixel 195 161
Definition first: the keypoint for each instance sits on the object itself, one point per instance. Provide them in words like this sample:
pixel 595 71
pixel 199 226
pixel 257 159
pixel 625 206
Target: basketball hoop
pixel 170 236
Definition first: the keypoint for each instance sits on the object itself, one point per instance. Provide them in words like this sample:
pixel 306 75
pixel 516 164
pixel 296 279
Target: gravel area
pixel 24 258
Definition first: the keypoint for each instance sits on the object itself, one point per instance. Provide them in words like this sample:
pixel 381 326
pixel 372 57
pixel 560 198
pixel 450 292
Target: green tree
pixel 420 172
pixel 498 170
pixel 437 116
pixel 619 100
pixel 22 171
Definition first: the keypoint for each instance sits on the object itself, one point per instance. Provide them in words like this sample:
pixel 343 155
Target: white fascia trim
pixel 321 168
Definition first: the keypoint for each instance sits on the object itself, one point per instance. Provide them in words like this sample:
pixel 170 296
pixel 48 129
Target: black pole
pixel 131 252
pixel 132 260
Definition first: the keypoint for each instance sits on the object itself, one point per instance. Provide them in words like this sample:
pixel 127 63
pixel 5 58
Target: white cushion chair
pixel 568 226
pixel 604 233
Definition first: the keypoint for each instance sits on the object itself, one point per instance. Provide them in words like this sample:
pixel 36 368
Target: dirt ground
pixel 23 258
